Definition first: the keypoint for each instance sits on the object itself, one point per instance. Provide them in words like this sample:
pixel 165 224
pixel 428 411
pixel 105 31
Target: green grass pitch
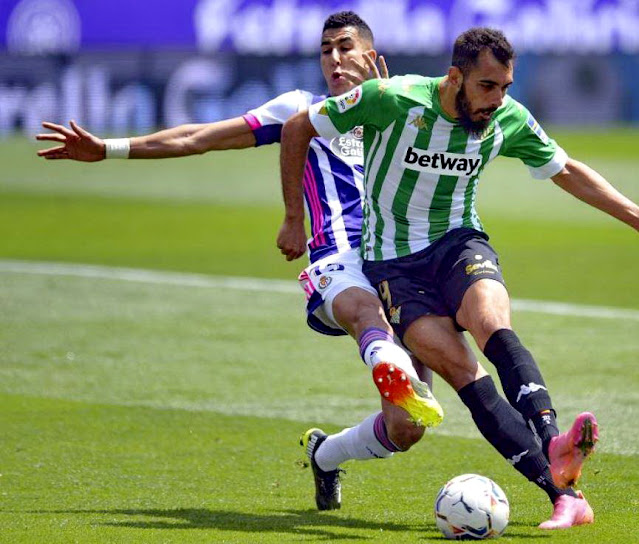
pixel 159 411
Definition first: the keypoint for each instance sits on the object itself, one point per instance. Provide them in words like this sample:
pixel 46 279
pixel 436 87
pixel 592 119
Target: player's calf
pixel 400 429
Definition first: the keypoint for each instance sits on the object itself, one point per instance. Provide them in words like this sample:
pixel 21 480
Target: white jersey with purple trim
pixel 333 175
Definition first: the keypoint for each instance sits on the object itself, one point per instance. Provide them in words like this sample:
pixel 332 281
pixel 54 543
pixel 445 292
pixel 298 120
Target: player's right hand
pixel 77 143
pixel 291 239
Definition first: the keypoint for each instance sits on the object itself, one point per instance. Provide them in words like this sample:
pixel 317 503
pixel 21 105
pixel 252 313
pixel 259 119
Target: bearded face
pixel 473 120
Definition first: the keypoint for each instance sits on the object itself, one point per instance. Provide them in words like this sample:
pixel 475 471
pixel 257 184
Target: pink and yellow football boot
pixel 408 393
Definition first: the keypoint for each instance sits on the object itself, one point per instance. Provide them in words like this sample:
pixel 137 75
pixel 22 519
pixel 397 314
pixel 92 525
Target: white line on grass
pixel 270 285
pixel 149 276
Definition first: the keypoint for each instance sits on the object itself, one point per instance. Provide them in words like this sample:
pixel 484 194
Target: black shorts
pixel 433 281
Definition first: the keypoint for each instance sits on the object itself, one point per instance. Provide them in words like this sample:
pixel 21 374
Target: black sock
pixel 545 425
pixel 545 482
pixel 522 382
pixel 507 432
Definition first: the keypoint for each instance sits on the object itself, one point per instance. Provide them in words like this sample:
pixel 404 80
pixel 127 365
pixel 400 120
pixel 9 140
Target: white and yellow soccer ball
pixel 471 507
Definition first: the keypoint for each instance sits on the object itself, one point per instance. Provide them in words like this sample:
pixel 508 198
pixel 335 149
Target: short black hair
pixel 342 19
pixel 471 43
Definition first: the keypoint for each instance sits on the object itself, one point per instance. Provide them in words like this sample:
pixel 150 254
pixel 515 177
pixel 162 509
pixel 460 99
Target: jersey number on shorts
pixel 333 267
pixel 385 294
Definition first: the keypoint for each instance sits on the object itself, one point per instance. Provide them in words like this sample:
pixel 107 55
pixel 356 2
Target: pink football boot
pixel 568 512
pixel 569 450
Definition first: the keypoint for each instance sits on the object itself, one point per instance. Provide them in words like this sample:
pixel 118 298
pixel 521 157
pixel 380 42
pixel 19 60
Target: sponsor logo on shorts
pixel 324 282
pixel 442 162
pixel 487 267
pixel 395 315
pixel 346 101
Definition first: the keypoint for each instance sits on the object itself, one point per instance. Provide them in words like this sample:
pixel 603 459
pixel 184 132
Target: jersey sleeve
pixel 267 120
pixel 361 106
pixel 528 142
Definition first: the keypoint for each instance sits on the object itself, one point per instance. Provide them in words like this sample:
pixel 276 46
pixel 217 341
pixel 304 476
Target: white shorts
pixel 324 280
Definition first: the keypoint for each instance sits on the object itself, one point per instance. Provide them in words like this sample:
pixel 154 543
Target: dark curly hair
pixel 471 43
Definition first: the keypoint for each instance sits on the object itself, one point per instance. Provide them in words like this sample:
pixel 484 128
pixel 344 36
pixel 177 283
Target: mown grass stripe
pixel 264 284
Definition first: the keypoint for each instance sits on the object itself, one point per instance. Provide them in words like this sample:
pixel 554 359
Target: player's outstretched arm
pixel 78 144
pixel 586 184
pixel 297 133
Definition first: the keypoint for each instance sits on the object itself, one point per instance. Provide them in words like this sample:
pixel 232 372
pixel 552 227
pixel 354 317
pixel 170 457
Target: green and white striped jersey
pixel 421 168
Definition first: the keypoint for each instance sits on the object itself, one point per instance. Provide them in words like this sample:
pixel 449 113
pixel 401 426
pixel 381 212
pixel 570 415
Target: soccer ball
pixel 471 507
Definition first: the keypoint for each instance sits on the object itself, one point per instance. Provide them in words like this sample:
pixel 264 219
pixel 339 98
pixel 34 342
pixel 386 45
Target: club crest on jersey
pixel 346 101
pixel 536 128
pixel 442 162
pixel 349 145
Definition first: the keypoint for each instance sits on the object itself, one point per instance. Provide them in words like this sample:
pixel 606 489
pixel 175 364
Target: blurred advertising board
pixel 202 60
pixel 285 27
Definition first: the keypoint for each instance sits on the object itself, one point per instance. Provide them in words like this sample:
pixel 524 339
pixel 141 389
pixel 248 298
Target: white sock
pixel 364 441
pixel 384 351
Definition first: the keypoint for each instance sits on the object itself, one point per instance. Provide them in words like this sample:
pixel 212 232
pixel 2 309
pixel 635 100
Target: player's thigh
pixel 356 309
pixel 485 308
pixel 436 341
pixel 470 278
pixel 401 430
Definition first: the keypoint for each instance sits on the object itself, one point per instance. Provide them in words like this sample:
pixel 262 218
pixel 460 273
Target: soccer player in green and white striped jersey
pixel 426 142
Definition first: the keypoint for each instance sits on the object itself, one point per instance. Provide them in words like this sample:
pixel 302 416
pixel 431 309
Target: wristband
pixel 117 148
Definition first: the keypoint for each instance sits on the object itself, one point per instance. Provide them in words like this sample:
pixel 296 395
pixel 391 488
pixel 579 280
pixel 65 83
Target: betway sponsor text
pixel 442 162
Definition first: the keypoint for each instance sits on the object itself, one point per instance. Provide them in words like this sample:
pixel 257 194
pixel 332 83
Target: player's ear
pixel 372 53
pixel 455 77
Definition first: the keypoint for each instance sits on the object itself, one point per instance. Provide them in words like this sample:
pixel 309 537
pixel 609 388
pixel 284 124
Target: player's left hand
pixel 367 71
pixel 291 239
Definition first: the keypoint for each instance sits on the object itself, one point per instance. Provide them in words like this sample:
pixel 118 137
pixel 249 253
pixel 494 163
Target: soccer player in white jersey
pixel 340 298
pixel 426 140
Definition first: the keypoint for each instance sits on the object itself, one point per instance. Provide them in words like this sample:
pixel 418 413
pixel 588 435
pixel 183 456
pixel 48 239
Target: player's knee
pixel 356 310
pixel 485 308
pixel 404 433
